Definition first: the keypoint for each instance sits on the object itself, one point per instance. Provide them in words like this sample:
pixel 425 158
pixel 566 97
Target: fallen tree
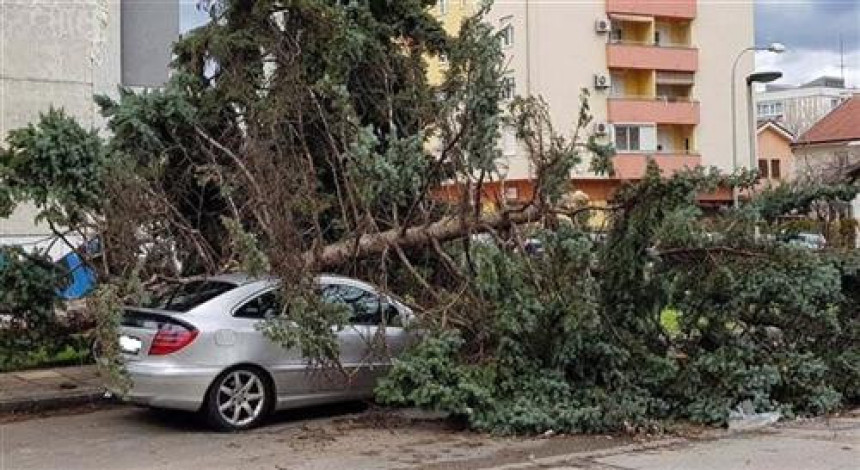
pixel 301 137
pixel 441 231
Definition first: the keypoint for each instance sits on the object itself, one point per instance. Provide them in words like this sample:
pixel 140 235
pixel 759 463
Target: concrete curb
pixel 578 457
pixel 47 389
pixel 52 401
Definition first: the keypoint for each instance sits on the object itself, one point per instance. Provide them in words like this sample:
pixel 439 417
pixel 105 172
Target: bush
pixel 27 307
pixel 672 322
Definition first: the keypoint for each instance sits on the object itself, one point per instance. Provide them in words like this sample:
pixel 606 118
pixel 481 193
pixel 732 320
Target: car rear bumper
pixel 164 386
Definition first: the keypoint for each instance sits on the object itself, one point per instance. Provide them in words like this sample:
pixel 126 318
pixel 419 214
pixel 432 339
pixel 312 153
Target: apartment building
pixel 798 108
pixel 658 73
pixel 59 53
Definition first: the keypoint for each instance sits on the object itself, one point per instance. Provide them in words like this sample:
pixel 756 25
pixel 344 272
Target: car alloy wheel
pixel 240 399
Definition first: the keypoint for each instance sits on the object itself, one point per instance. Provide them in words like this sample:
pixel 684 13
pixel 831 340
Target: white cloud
pixel 190 15
pixel 801 66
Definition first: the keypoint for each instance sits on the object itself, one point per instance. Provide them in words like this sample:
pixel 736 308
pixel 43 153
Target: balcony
pixel 631 166
pixel 658 111
pixel 681 9
pixel 626 55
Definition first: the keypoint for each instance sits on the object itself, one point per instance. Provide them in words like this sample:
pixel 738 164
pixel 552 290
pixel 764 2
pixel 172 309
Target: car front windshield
pixel 182 297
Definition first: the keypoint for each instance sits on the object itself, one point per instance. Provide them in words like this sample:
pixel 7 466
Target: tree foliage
pixel 27 301
pixel 55 164
pixel 576 339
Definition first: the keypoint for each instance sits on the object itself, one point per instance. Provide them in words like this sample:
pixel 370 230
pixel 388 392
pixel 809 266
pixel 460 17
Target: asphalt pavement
pixel 353 437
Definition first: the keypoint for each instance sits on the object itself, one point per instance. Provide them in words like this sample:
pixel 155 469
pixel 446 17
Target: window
pixel 443 59
pixel 762 169
pixel 263 306
pixel 834 102
pixel 617 86
pixel 769 108
pixel 365 307
pixel 511 193
pixel 506 33
pixel 182 297
pixel 775 170
pixel 443 7
pixel 635 138
pixel 627 138
pixel 616 33
pixel 509 88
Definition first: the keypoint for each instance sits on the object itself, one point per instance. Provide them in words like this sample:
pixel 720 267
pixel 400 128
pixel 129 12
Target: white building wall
pixel 555 55
pixel 54 53
pixel 802 107
pixel 720 31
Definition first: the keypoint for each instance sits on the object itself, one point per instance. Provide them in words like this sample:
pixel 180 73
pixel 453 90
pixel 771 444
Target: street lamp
pixel 757 77
pixel 776 48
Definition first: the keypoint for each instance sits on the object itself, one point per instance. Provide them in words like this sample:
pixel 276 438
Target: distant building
pixel 775 158
pixel 59 53
pixel 830 149
pixel 656 71
pixel 798 108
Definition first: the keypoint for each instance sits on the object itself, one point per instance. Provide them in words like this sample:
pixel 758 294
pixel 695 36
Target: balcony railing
pixel 682 9
pixel 662 43
pixel 649 57
pixel 659 111
pixel 665 98
pixel 632 165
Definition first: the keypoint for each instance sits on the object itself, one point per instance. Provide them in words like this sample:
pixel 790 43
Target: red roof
pixel 840 125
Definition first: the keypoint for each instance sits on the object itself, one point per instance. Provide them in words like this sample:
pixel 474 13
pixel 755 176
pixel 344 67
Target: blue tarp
pixel 82 279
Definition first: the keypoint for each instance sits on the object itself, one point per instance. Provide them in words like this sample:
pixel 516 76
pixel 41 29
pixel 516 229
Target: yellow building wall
pixel 456 11
pixel 770 145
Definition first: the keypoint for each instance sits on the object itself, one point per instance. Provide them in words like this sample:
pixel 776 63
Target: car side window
pixel 260 307
pixel 392 315
pixel 365 307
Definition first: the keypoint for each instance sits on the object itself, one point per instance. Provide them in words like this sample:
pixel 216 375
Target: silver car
pixel 198 347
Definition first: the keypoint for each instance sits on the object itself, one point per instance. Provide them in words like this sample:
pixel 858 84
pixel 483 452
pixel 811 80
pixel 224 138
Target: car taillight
pixel 171 338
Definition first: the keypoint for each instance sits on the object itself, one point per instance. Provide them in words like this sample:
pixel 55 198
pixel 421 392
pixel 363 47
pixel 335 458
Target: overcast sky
pixel 809 28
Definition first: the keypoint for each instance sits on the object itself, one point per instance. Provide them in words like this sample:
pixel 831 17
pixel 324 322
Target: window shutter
pixel 775 170
pixel 648 138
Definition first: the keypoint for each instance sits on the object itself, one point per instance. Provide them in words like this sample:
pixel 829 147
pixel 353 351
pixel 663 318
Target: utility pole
pixel 842 59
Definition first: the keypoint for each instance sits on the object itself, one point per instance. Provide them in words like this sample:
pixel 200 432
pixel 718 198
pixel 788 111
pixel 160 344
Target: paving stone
pixel 38 374
pixel 49 388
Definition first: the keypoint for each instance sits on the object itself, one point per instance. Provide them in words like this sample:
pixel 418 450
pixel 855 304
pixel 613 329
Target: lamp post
pixel 776 48
pixel 757 77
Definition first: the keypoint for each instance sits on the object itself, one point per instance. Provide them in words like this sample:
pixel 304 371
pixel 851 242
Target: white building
pixel 59 53
pixel 798 108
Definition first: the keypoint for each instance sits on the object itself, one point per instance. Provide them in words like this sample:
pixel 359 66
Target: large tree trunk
pixel 445 229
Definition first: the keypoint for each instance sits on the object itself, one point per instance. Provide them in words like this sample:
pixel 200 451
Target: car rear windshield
pixel 182 297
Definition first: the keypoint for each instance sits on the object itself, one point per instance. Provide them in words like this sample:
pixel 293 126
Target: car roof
pixel 233 278
pixel 241 279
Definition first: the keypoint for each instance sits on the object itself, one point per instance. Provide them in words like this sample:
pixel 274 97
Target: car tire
pixel 239 399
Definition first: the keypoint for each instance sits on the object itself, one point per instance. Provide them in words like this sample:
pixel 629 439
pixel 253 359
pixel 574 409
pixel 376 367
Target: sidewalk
pixel 815 444
pixel 42 389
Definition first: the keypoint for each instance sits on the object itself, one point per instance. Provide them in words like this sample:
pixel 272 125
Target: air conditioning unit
pixel 601 128
pixel 602 81
pixel 602 25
